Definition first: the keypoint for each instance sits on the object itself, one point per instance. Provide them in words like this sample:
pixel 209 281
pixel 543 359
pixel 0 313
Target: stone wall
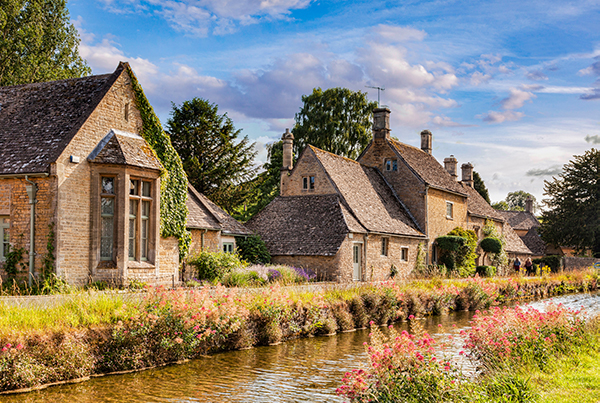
pixel 378 267
pixel 325 267
pixel 438 224
pixel 74 187
pixel 212 240
pixel 307 165
pixel 571 263
pixel 14 203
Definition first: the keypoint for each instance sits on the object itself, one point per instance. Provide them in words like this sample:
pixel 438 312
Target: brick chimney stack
pixel 426 141
pixel 467 174
pixel 529 205
pixel 450 165
pixel 381 123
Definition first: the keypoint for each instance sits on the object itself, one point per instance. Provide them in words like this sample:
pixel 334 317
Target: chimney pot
pixel 450 164
pixel 288 142
pixel 467 174
pixel 381 123
pixel 426 141
pixel 529 205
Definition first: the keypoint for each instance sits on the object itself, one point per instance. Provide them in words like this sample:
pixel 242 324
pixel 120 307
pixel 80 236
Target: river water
pixel 303 370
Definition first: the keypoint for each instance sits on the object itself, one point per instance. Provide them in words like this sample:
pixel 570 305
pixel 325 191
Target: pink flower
pixel 178 340
pixel 19 346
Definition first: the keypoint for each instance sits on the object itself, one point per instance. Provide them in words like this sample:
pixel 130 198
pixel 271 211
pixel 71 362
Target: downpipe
pixel 32 189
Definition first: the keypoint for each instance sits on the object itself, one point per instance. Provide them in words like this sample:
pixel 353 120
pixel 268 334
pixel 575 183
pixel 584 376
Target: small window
pixel 308 183
pixel 4 237
pixel 228 247
pixel 384 246
pixel 126 112
pixel 404 254
pixel 107 218
pixel 449 210
pixel 391 165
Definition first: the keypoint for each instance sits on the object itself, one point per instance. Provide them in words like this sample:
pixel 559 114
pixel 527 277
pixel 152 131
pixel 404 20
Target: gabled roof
pixel 476 205
pixel 367 195
pixel 520 220
pixel 514 243
pixel 534 242
pixel 123 148
pixel 37 121
pixel 303 225
pixel 204 214
pixel 426 167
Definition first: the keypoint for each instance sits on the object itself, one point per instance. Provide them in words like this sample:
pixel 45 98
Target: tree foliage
pixel 500 260
pixel 479 186
pixel 253 249
pixel 516 200
pixel 215 159
pixel 491 245
pixel 38 42
pixel 264 188
pixel 337 120
pixel 573 215
pixel 501 205
pixel 465 257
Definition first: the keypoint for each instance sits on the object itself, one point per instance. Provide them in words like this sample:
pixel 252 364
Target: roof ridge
pixel 54 82
pixel 198 196
pixel 334 155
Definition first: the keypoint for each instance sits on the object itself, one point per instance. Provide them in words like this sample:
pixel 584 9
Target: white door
pixel 357 261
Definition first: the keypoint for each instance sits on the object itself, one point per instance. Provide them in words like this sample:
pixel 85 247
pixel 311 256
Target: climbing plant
pixel 500 260
pixel 465 256
pixel 49 258
pixel 173 184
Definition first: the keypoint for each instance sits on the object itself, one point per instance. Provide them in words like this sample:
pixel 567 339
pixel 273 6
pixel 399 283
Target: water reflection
pixel 304 370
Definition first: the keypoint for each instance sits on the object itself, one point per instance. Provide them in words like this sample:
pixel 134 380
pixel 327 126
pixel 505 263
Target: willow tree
pixel 337 120
pixel 38 42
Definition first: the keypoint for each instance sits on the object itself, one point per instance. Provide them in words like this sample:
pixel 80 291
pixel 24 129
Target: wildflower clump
pixel 402 367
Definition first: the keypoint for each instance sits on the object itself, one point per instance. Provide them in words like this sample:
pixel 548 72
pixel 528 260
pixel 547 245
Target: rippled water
pixel 303 370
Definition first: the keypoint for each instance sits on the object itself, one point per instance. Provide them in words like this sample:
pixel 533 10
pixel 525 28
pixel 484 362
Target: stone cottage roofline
pixel 520 220
pixel 124 148
pixel 366 195
pixel 37 121
pixel 204 214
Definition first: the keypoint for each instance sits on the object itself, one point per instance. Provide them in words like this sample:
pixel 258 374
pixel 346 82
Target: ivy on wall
pixel 173 184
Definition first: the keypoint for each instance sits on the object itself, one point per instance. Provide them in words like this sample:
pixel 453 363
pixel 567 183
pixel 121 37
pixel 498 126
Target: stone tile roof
pixel 514 244
pixel 122 148
pixel 367 196
pixel 476 204
pixel 426 167
pixel 204 214
pixel 302 225
pixel 520 220
pixel 37 121
pixel 534 242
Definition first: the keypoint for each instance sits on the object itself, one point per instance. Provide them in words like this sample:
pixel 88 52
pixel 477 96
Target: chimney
pixel 381 123
pixel 426 141
pixel 467 174
pixel 450 165
pixel 288 142
pixel 529 205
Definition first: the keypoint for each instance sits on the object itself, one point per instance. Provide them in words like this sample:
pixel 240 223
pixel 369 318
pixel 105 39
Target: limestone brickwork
pixel 378 267
pixel 438 223
pixel 306 166
pixel 211 240
pixel 14 203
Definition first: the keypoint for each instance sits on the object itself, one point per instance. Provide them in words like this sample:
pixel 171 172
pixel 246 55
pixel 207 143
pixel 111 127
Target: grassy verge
pixel 101 334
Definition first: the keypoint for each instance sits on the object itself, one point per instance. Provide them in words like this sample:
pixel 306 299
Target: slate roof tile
pixel 123 148
pixel 520 220
pixel 514 243
pixel 477 205
pixel 37 121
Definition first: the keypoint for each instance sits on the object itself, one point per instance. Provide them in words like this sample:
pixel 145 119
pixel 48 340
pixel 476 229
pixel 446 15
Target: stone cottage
pixel 526 225
pixel 353 220
pixel 72 163
pixel 210 226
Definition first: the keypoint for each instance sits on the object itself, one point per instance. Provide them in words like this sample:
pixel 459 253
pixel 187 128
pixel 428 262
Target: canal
pixel 303 370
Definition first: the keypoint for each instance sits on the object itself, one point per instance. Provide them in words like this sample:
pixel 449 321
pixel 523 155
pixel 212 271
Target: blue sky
pixel 510 86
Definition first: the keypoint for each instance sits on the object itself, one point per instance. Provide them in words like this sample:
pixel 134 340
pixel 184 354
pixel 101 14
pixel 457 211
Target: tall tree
pixel 480 187
pixel 516 200
pixel 215 160
pixel 501 205
pixel 573 215
pixel 38 42
pixel 337 120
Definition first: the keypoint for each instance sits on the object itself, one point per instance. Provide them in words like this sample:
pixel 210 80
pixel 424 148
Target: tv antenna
pixel 379 89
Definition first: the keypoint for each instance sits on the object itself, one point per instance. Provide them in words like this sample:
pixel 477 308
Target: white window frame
pixel 4 231
pixel 450 205
pixel 228 247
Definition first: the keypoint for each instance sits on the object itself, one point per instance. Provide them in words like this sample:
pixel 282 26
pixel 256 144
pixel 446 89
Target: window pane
pixel 146 189
pixel 108 206
pixel 108 185
pixel 106 239
pixel 144 239
pixel 5 221
pixel 133 204
pixel 312 182
pixel 305 183
pixel 394 165
pixel 145 209
pixel 133 187
pixel 131 239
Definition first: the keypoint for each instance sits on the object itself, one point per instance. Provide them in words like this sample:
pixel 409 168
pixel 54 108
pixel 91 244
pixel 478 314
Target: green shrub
pixel 552 261
pixel 450 243
pixel 242 279
pixel 465 255
pixel 214 265
pixel 491 245
pixel 486 271
pixel 252 249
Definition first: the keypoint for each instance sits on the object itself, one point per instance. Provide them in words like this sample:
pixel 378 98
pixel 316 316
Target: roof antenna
pixel 379 89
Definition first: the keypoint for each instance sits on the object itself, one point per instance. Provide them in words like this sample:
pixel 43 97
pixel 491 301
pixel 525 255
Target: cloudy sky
pixel 510 86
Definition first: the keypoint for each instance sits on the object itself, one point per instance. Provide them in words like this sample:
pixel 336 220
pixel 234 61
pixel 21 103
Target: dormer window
pixel 308 183
pixel 391 165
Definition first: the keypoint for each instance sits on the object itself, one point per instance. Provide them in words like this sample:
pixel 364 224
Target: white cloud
pixel 499 117
pixel 516 99
pixel 478 78
pixel 394 33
